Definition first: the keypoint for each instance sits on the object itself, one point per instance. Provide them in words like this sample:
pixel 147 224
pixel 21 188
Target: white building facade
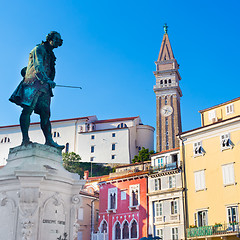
pixel 166 208
pixel 99 141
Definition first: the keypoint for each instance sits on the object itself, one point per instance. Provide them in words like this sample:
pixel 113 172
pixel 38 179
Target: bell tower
pixel 168 94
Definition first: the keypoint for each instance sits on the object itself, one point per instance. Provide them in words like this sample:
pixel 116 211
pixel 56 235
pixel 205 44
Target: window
pixel 103 227
pixel 165 101
pixel 134 195
pixel 125 230
pixel 113 134
pixel 201 218
pixel 117 231
pixel 174 233
pixel 112 198
pixel 122 125
pixel 225 141
pixel 92 149
pixel 166 121
pixel 56 134
pixel 113 146
pixel 232 213
pixel 197 149
pixel 212 115
pixel 134 232
pixel 159 232
pixel 92 136
pixel 229 109
pixel 174 207
pixel 5 140
pixel 228 174
pixel 161 82
pixel 159 162
pixel 123 195
pixel 157 184
pixel 199 180
pixel 171 182
pixel 92 159
pixel 113 157
pixel 67 148
pixel 158 209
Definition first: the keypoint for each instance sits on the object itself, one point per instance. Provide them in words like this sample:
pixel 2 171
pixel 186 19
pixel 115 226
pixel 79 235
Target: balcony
pixel 99 236
pixel 217 230
pixel 167 167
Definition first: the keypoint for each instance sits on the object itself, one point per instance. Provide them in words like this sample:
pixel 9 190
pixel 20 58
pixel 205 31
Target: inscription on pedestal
pixel 54 218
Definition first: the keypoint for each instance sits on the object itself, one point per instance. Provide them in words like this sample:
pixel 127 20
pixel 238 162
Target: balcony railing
pixel 218 229
pixel 99 236
pixel 166 167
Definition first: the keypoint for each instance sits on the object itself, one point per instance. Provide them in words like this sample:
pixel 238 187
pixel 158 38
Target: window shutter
pixel 202 174
pixel 228 174
pixel 195 219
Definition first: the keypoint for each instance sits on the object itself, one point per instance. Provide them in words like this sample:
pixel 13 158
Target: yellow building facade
pixel 211 160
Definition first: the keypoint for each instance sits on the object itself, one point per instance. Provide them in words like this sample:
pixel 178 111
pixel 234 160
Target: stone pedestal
pixel 38 198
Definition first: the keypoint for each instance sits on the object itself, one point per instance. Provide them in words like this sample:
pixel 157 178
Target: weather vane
pixel 165 27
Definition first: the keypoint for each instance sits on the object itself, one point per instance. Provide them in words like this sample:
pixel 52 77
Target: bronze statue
pixel 35 90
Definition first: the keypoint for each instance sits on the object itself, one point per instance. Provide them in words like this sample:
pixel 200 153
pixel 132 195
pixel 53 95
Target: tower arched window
pixel 117 231
pixel 134 229
pixel 125 230
pixel 169 81
pixel 165 81
pixel 161 82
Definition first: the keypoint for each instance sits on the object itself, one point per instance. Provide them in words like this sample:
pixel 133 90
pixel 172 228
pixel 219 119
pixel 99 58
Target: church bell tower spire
pixel 168 94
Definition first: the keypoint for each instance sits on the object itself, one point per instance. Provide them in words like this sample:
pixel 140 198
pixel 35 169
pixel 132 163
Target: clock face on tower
pixel 166 110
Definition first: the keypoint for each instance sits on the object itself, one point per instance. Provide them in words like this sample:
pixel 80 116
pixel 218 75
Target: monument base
pixel 38 198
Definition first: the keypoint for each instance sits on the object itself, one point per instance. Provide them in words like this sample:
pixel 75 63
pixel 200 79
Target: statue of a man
pixel 35 90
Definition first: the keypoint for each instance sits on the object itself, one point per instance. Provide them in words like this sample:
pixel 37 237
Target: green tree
pixel 143 155
pixel 72 162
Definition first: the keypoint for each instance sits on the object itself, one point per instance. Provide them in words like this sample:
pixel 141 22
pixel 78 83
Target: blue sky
pixel 109 50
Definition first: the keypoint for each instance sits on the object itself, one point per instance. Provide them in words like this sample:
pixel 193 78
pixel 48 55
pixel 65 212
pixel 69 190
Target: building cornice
pixel 219 105
pixel 210 126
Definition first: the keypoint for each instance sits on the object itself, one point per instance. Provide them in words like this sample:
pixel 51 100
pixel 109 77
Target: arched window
pixel 5 140
pixel 67 148
pixel 165 81
pixel 161 82
pixel 125 230
pixel 56 134
pixel 117 231
pixel 104 227
pixel 122 125
pixel 169 81
pixel 134 229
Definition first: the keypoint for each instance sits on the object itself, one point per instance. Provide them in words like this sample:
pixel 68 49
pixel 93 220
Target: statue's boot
pixel 51 143
pixel 25 142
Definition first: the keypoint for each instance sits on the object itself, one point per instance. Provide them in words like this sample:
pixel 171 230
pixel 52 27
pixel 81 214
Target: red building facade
pixel 123 206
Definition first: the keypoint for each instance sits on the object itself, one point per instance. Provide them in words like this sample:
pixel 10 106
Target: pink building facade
pixel 123 206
